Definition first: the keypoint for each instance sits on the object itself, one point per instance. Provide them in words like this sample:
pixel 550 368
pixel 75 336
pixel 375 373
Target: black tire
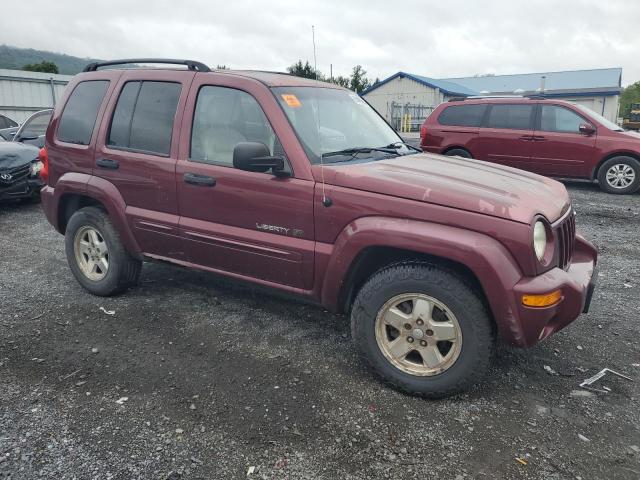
pixel 458 152
pixel 631 163
pixel 447 287
pixel 123 270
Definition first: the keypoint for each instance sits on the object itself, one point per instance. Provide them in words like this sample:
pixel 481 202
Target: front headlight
pixel 35 168
pixel 539 239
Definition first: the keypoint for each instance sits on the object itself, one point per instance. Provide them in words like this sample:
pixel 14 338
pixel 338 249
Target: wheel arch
pixel 375 258
pixel 97 192
pixel 370 243
pixel 624 153
pixel 457 147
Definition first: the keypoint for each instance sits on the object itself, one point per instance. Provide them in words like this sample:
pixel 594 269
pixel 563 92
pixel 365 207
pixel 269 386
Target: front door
pixel 249 224
pixel 559 148
pixel 506 133
pixel 136 152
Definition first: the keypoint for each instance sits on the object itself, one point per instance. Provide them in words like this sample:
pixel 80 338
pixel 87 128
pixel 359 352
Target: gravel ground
pixel 193 377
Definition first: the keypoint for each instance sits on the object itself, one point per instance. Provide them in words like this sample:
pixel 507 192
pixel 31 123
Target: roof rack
pixel 474 97
pixel 191 64
pixel 483 97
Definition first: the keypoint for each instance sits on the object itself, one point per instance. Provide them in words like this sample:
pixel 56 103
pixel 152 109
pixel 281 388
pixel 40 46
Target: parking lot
pixel 194 377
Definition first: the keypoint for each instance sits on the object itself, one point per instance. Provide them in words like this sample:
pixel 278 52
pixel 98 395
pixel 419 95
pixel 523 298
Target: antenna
pixel 315 63
pixel 326 201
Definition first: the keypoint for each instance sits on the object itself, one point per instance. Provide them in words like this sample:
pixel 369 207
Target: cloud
pixel 437 39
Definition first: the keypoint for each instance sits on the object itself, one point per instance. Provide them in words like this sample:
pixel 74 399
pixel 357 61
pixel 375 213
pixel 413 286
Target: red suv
pixel 301 186
pixel 545 136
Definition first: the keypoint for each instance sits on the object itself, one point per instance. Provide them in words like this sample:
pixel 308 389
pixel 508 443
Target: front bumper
pixel 577 285
pixel 25 188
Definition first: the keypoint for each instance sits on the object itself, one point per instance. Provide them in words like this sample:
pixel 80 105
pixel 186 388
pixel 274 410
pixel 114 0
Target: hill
pixel 15 58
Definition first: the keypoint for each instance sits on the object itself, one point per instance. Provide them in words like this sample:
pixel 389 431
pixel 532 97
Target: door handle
pixel 539 138
pixel 201 180
pixel 528 138
pixel 108 163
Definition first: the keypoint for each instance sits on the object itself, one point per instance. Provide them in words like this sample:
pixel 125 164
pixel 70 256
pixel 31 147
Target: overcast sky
pixel 432 38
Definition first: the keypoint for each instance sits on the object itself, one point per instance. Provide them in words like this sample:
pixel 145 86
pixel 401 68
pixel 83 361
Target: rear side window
pixel 144 116
pixel 80 113
pixel 462 115
pixel 515 117
pixel 559 119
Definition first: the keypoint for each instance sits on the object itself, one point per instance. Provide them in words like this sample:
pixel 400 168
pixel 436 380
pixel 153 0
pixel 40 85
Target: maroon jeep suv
pixel 541 135
pixel 301 186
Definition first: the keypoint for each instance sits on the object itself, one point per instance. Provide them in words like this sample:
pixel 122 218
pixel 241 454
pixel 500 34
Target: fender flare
pixel 491 263
pixel 98 189
pixel 108 195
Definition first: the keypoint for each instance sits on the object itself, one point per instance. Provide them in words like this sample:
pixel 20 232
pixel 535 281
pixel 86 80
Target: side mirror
pixel 255 157
pixel 26 136
pixel 586 129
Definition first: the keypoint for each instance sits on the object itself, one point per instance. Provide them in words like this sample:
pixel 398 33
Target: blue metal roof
pixel 602 81
pixel 446 86
pixel 580 80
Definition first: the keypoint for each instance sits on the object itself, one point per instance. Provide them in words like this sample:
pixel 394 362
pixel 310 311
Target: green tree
pixel 342 81
pixel 629 95
pixel 43 66
pixel 304 70
pixel 358 80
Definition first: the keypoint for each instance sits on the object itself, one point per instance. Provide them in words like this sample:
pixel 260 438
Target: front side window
pixel 554 118
pixel 79 116
pixel 329 120
pixel 513 117
pixel 462 115
pixel 225 117
pixel 143 118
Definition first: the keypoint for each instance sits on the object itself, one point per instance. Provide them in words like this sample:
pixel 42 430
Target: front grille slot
pixel 565 234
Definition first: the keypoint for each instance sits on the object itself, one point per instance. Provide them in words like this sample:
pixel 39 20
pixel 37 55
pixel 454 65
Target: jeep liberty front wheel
pixel 423 330
pixel 96 255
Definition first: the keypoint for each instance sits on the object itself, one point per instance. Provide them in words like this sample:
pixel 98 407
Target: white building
pixel 23 93
pixel 405 94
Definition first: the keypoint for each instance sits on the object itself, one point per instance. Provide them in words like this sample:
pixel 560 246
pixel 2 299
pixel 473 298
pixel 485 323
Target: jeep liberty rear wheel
pixel 619 175
pixel 423 330
pixel 96 255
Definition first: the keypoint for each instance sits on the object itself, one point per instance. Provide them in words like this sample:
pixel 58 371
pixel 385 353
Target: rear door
pixel 248 224
pixel 137 149
pixel 558 147
pixel 455 126
pixel 506 134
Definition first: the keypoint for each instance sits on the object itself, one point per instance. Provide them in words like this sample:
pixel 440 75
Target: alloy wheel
pixel 620 176
pixel 418 334
pixel 91 252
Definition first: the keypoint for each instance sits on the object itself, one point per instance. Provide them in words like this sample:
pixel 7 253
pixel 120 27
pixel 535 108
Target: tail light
pixel 43 156
pixel 423 132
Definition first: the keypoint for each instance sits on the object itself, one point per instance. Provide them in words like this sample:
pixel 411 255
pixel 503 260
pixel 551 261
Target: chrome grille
pixel 565 233
pixel 17 174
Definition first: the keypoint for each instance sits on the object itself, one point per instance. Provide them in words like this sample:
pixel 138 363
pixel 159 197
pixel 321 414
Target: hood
pixel 465 184
pixel 630 134
pixel 16 154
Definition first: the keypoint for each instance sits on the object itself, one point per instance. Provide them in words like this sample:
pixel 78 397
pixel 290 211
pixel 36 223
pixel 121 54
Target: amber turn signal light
pixel 545 300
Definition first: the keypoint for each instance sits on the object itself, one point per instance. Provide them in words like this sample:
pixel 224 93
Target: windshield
pixel 603 121
pixel 328 121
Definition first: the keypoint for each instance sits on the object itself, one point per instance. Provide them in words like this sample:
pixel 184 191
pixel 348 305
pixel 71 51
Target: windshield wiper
pixel 398 145
pixel 355 151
